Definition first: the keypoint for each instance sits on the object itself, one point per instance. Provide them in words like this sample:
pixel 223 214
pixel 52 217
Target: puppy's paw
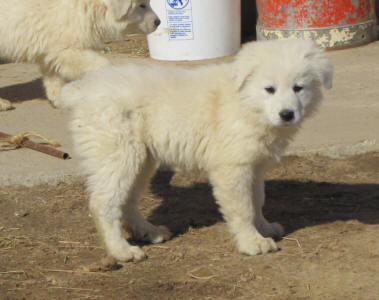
pixel 257 245
pixel 274 230
pixel 161 234
pixel 129 253
pixel 152 234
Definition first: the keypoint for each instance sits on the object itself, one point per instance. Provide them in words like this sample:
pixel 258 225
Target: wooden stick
pixel 13 272
pixel 77 272
pixel 25 142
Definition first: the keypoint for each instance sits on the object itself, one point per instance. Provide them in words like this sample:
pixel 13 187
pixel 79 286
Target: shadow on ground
pixel 294 204
pixel 23 91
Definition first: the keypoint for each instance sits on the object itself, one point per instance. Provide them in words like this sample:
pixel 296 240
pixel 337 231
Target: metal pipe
pixel 27 143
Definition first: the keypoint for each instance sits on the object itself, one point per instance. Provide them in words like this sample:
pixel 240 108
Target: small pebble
pixel 21 213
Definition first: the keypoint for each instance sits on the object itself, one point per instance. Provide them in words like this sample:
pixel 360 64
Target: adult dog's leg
pixel 5 105
pixel 67 65
pixel 72 64
pixel 140 228
pixel 53 84
pixel 266 228
pixel 233 190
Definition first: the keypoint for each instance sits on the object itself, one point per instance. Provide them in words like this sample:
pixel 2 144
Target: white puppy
pixel 230 120
pixel 58 34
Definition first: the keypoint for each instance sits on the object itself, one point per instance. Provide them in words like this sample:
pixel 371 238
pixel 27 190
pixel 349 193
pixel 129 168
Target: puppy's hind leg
pixel 111 186
pixel 141 229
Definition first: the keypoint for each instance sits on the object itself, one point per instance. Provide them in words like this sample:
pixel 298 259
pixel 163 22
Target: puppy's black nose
pixel 157 22
pixel 287 115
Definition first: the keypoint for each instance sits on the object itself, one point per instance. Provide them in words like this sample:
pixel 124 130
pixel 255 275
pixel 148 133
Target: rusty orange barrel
pixel 332 24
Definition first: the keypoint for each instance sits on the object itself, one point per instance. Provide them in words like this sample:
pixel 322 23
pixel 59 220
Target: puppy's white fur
pixel 222 119
pixel 58 34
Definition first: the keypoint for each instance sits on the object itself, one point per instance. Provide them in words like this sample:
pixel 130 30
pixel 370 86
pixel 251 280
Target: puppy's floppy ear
pixel 326 73
pixel 242 73
pixel 119 8
pixel 322 66
pixel 244 63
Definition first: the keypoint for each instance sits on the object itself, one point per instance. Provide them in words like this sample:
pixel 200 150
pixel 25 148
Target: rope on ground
pixel 22 140
pixel 15 141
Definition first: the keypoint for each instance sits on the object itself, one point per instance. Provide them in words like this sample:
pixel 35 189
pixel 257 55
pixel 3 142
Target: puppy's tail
pixel 71 94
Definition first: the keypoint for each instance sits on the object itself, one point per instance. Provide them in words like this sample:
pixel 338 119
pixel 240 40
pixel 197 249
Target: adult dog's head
pixel 137 14
pixel 282 79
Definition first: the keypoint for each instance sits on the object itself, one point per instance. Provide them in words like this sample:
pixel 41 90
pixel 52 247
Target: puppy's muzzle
pixel 287 115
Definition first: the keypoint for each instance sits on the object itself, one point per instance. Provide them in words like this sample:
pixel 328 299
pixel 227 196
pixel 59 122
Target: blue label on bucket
pixel 179 19
pixel 178 4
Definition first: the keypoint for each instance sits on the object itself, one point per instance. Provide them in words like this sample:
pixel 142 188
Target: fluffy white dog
pixel 229 120
pixel 58 34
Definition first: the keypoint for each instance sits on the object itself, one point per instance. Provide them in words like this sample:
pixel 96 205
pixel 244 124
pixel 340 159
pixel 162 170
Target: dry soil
pixel 49 247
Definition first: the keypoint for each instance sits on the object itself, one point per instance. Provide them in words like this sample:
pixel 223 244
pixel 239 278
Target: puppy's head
pixel 137 13
pixel 282 79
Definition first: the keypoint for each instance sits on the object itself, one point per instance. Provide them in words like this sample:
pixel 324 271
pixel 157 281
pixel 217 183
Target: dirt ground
pixel 329 207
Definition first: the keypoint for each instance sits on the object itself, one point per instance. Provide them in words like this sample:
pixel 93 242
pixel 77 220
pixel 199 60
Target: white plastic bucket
pixel 195 29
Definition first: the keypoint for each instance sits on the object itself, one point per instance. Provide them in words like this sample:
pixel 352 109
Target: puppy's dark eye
pixel 297 88
pixel 143 6
pixel 270 90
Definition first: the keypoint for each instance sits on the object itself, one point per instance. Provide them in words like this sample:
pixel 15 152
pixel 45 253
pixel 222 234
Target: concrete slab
pixel 347 123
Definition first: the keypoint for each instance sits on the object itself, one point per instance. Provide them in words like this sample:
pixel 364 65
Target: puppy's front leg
pixel 265 228
pixel 233 190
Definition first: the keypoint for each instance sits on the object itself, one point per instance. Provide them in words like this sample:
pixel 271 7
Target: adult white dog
pixel 58 34
pixel 231 120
